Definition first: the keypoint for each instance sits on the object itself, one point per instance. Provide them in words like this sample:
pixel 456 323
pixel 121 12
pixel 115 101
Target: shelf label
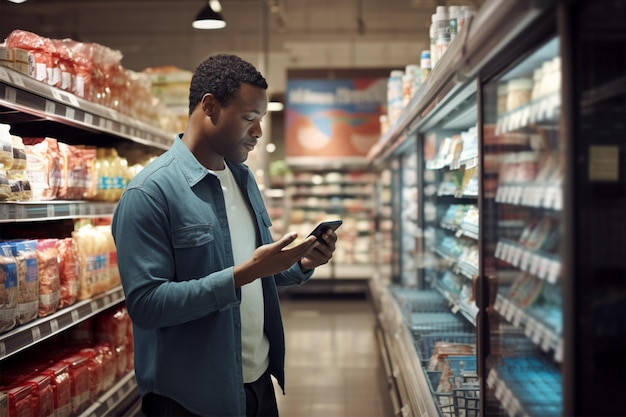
pixel 20 212
pixel 4 75
pixel 50 210
pixel 88 118
pixel 3 350
pixel 75 315
pixel 70 112
pixel 10 94
pixel 54 325
pixel 35 333
pixel 558 353
pixel 17 79
pixel 4 211
pixel 50 107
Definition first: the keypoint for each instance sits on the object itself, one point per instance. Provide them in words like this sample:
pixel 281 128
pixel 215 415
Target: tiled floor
pixel 333 365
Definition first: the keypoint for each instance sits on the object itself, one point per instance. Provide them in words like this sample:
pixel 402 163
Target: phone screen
pixel 323 226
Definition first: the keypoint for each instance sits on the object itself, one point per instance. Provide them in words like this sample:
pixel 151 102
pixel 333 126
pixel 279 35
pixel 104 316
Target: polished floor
pixel 334 367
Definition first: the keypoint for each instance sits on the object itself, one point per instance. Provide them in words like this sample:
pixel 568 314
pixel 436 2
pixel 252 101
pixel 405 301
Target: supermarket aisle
pixel 333 366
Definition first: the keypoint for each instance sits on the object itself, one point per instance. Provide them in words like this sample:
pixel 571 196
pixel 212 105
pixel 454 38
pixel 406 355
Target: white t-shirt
pixel 254 344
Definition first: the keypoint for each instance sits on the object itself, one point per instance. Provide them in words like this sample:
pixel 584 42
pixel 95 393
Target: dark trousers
pixel 260 402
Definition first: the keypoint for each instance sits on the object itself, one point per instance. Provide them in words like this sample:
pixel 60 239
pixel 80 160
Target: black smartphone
pixel 323 227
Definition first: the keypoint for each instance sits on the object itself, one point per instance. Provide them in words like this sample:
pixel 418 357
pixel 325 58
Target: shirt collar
pixel 193 170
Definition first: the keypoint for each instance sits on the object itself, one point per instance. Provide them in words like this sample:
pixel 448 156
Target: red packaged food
pixel 68 272
pixel 43 167
pixel 42 395
pixel 79 382
pixel 94 365
pixel 61 388
pixel 20 401
pixel 49 280
pixel 112 326
pixel 38 46
pixel 109 365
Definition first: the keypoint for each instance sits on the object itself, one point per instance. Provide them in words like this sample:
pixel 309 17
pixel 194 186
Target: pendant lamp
pixel 208 18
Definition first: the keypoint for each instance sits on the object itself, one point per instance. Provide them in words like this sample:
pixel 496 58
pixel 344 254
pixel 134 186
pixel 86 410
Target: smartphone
pixel 323 227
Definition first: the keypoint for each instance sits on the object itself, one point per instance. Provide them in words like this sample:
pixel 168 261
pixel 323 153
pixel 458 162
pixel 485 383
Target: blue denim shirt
pixel 176 264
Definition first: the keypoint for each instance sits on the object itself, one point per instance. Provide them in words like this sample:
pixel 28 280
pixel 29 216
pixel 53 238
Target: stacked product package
pixel 88 70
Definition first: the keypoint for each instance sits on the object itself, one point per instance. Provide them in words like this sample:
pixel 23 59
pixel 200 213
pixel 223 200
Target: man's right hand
pixel 273 258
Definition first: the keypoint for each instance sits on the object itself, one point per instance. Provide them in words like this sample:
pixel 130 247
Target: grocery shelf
pixel 29 100
pixel 116 400
pixel 31 333
pixel 53 210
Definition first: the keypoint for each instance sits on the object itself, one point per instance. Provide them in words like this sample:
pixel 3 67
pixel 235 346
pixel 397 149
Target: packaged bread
pixel 68 272
pixel 42 395
pixel 8 288
pixel 39 46
pixel 43 167
pixel 49 279
pixel 19 153
pixel 25 253
pixel 6 147
pixel 79 382
pixel 61 388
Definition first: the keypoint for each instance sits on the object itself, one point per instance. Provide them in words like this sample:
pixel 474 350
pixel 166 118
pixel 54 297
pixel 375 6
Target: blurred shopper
pixel 199 268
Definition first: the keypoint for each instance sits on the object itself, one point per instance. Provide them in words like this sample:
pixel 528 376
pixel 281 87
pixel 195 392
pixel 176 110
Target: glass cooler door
pixel 521 215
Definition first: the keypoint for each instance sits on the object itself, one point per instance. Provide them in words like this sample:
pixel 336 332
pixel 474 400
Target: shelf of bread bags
pixel 26 95
pixel 28 334
pixel 533 306
pixel 509 381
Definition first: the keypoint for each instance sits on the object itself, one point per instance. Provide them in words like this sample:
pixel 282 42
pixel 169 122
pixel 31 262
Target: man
pixel 199 268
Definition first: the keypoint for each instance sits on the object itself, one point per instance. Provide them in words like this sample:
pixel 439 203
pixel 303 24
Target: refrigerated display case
pixel 540 88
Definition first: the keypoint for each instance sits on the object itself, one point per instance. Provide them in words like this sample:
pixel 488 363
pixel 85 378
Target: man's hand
pixel 274 258
pixel 320 254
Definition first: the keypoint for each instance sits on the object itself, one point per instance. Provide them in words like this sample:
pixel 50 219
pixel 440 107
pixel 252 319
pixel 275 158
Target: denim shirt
pixel 176 264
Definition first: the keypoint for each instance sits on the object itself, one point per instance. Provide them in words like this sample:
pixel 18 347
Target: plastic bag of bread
pixel 49 279
pixel 20 400
pixel 79 382
pixel 68 272
pixel 96 371
pixel 6 147
pixel 25 253
pixel 39 46
pixel 43 167
pixel 92 261
pixel 61 388
pixel 42 395
pixel 8 288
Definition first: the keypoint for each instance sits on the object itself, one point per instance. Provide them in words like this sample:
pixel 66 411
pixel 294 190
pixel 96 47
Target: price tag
pixel 3 350
pixel 517 255
pixel 54 325
pixel 51 107
pixel 513 407
pixel 510 311
pixel 82 210
pixel 89 118
pixel 558 353
pixel 50 210
pixel 499 389
pixel 498 251
pixel 110 403
pixel 544 267
pixel 525 261
pixel 558 199
pixel 102 123
pixel 20 212
pixel 555 271
pixel 530 327
pixel 109 125
pixel 498 305
pixel 75 316
pixel 535 262
pixel 35 333
pixel 4 75
pixel 107 300
pixel 525 116
pixel 4 211
pixel 546 342
pixel 10 94
pixel 455 308
pixel 507 396
pixel 70 112
pixel 499 192
pixel 517 319
pixel 538 334
pixel 491 379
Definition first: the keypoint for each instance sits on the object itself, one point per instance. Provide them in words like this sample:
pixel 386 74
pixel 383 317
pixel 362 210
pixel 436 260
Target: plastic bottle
pixel 394 95
pixel 443 40
pixel 433 40
pixel 441 22
pixel 453 14
pixel 425 64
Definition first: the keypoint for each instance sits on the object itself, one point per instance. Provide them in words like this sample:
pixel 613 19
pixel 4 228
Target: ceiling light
pixel 275 106
pixel 208 19
pixel 17 1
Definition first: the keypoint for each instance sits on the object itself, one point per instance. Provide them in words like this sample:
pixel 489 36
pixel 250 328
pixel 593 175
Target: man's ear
pixel 209 105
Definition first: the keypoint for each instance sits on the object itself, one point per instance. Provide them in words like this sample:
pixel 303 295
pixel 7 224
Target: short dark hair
pixel 221 75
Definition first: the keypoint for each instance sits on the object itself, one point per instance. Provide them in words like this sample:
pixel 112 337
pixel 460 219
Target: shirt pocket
pixel 193 236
